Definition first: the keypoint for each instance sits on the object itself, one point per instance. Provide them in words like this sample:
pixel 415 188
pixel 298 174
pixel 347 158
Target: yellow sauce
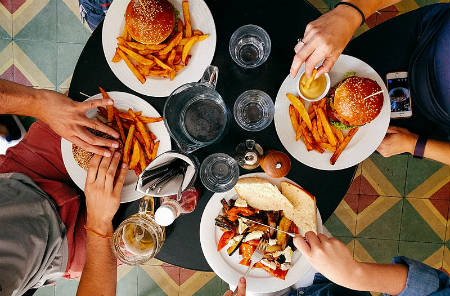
pixel 316 88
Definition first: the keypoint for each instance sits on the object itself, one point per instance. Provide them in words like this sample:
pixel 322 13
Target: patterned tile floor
pixel 395 206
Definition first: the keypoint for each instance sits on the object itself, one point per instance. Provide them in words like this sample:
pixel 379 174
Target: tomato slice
pixel 245 261
pixel 234 211
pixel 247 250
pixel 226 236
pixel 278 273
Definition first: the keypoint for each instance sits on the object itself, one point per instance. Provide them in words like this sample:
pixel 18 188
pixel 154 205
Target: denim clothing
pixel 422 280
pixel 93 11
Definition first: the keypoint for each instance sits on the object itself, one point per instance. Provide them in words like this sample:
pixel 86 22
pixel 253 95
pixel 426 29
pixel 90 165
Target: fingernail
pixel 107 154
pixel 115 145
pixel 116 154
pixel 242 280
pixel 110 102
pixel 124 165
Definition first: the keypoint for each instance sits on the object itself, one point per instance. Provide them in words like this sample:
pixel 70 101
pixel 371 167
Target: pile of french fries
pixel 140 145
pixel 159 60
pixel 313 127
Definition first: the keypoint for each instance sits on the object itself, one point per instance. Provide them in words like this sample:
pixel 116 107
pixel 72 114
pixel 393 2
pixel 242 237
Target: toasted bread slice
pixel 304 213
pixel 261 194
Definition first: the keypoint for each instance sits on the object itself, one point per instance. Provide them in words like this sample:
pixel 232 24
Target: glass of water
pixel 253 110
pixel 219 172
pixel 250 46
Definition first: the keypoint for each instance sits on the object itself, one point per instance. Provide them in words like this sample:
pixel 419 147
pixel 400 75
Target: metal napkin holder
pixel 171 186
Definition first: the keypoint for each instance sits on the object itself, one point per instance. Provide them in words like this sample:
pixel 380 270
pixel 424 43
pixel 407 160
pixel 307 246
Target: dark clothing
pixel 416 42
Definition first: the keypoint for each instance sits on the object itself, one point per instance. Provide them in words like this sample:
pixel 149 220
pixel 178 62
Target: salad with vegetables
pixel 241 236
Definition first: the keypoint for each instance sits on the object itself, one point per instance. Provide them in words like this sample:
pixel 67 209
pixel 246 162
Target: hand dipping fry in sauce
pixel 312 88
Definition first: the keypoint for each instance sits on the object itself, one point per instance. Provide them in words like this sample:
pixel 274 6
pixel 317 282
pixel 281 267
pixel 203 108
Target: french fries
pixel 300 108
pixel 312 125
pixel 130 65
pixel 187 48
pixel 187 19
pixel 159 60
pixel 135 156
pixel 140 145
pixel 140 59
pixel 342 146
pixel 326 126
pixel 126 149
pixel 109 108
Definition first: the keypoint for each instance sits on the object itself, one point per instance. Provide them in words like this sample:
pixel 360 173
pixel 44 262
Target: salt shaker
pixel 171 208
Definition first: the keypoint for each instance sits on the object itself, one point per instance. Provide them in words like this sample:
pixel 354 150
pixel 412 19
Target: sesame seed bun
pixel 81 156
pixel 151 23
pixel 349 102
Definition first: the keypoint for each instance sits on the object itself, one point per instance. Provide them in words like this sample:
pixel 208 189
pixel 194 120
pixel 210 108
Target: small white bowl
pixel 325 92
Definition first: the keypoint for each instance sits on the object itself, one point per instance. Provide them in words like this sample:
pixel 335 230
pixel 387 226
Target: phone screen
pixel 399 94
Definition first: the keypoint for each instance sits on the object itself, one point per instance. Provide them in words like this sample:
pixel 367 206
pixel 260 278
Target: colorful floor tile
pixel 395 206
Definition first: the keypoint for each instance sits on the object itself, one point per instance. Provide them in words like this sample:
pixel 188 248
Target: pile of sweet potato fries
pixel 140 145
pixel 159 60
pixel 313 126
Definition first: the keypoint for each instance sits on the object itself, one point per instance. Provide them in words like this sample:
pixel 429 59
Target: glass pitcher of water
pixel 195 113
pixel 138 238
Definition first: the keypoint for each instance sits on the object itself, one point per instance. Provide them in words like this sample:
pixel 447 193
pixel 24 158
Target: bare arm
pixel 332 258
pixel 437 150
pixel 65 116
pixel 100 271
pixel 326 37
pixel 400 140
pixel 99 276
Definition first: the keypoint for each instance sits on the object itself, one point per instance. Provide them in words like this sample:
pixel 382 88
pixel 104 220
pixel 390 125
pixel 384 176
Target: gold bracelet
pixel 96 233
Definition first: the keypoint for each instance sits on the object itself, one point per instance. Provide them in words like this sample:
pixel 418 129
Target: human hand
pixel 68 119
pixel 240 288
pixel 325 39
pixel 329 256
pixel 102 192
pixel 397 140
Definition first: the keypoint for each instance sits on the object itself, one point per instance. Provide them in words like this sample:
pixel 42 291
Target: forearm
pixel 437 150
pixel 383 278
pixel 21 100
pixel 369 7
pixel 99 275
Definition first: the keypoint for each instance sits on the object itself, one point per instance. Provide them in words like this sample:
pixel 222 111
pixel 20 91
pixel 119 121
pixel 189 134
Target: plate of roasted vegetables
pixel 228 238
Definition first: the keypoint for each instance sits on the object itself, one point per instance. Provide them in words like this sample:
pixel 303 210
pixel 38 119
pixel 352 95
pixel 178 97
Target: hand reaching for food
pixel 68 119
pixel 397 140
pixel 103 191
pixel 329 256
pixel 324 40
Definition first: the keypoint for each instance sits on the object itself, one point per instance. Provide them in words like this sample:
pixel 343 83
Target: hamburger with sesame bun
pixel 82 157
pixel 347 105
pixel 150 21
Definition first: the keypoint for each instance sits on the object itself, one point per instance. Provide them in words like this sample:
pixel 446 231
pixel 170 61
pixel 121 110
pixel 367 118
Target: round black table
pixel 285 21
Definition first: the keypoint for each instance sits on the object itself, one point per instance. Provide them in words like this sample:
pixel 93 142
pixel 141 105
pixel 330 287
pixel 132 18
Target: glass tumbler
pixel 138 238
pixel 250 46
pixel 219 172
pixel 253 110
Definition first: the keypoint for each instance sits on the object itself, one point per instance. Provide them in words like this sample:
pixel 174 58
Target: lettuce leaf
pixel 340 125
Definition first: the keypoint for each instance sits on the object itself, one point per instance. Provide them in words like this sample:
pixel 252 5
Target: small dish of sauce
pixel 315 89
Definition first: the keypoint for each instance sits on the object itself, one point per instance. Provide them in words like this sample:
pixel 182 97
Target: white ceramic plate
pixel 228 268
pixel 202 52
pixel 363 143
pixel 122 101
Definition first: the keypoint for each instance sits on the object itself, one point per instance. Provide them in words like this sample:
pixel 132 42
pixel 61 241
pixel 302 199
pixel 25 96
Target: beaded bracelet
pixel 96 233
pixel 356 8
